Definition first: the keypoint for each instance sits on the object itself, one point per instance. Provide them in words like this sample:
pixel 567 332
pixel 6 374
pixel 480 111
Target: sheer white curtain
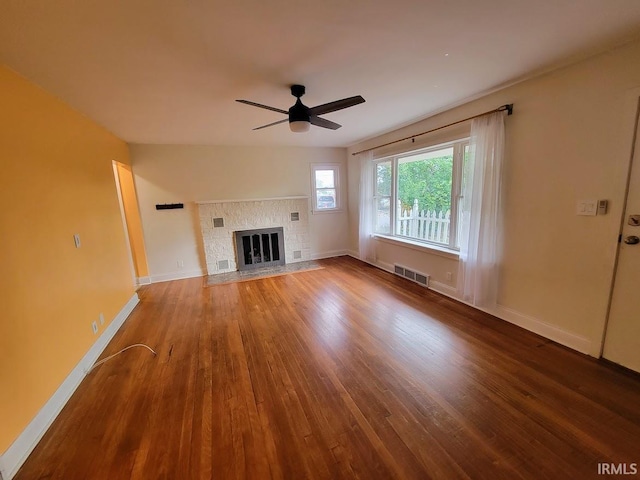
pixel 480 219
pixel 365 243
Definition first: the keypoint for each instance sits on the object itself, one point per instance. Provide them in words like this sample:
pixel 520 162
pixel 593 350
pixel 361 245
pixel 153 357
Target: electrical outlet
pixel 180 263
pixel 101 318
pixel 449 276
pixel 94 327
pixel 76 239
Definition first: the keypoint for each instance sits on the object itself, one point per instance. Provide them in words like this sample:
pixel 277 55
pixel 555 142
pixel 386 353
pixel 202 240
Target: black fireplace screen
pixel 259 248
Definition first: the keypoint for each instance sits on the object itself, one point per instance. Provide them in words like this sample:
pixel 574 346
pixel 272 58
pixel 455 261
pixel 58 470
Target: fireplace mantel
pixel 298 197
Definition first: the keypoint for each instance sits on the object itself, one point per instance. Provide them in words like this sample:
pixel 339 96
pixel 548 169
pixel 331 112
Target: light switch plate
pixel 587 207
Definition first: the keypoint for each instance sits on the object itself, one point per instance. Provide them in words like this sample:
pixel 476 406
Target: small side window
pixel 326 191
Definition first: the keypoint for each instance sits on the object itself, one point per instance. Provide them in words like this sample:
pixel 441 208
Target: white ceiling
pixel 168 72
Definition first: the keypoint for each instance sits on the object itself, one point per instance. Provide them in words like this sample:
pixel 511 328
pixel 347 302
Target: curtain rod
pixel 508 107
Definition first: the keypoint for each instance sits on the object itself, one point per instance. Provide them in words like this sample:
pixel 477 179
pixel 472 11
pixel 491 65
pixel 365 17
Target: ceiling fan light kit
pixel 301 117
pixel 300 126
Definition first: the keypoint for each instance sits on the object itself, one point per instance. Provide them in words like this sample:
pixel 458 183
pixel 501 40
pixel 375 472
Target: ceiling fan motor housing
pixel 299 112
pixel 297 90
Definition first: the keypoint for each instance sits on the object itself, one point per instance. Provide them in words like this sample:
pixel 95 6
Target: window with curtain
pixel 446 195
pixel 417 194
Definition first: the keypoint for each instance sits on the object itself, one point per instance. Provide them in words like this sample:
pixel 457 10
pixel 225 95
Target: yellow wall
pixel 57 180
pixel 134 224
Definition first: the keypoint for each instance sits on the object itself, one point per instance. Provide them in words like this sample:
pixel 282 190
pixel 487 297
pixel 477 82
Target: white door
pixel 622 340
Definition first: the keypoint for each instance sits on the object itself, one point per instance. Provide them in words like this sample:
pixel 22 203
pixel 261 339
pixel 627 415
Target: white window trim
pixel 432 248
pixel 336 167
pixel 450 250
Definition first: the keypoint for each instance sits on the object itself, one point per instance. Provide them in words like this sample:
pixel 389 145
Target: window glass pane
pixel 424 195
pixel 383 215
pixel 383 178
pixel 325 198
pixel 325 179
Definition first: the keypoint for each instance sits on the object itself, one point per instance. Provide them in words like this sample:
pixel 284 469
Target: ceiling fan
pixel 301 117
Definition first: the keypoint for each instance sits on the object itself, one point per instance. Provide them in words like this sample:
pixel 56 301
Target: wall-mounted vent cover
pixel 411 275
pixel 297 254
pixel 218 222
pixel 295 216
pixel 417 277
pixel 422 279
pixel 223 264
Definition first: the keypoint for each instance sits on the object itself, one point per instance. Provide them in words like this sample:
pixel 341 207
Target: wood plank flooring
pixel 343 372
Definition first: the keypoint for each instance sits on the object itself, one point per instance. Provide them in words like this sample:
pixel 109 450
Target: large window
pixel 417 194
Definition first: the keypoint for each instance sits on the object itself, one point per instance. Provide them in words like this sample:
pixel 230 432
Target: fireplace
pixel 221 220
pixel 259 248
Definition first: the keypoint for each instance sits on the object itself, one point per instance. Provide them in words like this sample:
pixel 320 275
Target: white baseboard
pixel 329 254
pixel 546 330
pixel 387 267
pixel 178 275
pixel 143 280
pixel 563 337
pixel 13 458
pixel 443 288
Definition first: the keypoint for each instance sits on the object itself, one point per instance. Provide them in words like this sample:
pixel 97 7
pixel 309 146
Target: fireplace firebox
pixel 260 248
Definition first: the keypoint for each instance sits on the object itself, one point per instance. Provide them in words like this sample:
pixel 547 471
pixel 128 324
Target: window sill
pixel 332 210
pixel 422 247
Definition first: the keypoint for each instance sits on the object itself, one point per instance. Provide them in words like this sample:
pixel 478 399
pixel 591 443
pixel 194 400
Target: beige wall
pixel 569 139
pixel 57 180
pixel 186 174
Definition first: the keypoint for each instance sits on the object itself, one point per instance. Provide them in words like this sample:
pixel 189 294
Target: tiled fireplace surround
pixel 219 245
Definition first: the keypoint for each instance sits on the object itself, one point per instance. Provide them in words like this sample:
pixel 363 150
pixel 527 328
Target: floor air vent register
pixel 417 277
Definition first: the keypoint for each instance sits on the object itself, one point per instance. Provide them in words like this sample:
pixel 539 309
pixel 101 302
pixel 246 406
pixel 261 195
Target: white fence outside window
pixel 423 224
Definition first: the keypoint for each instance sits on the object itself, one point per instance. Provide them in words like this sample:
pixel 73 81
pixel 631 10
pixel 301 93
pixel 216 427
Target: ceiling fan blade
pixel 323 122
pixel 271 124
pixel 279 110
pixel 337 105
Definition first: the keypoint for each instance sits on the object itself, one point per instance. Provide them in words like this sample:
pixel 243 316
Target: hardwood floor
pixel 343 372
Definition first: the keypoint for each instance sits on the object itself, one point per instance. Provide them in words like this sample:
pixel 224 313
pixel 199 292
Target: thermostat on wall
pixel 602 206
